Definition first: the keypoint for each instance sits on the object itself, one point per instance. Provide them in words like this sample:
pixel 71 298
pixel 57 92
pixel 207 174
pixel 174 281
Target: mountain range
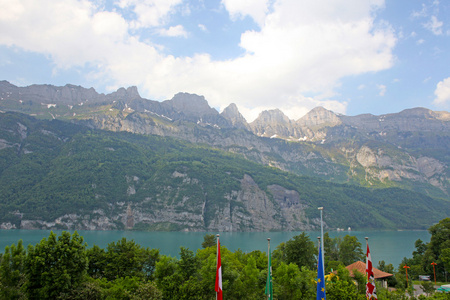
pixel 405 152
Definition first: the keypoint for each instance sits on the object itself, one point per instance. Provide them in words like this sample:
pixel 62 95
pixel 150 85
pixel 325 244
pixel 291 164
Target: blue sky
pixel 350 56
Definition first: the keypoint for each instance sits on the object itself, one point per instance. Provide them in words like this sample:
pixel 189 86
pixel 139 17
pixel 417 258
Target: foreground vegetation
pixel 62 267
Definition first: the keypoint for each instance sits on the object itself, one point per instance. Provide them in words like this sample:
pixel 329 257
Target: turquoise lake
pixel 390 246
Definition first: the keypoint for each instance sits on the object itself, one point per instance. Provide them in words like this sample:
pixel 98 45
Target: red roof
pixel 361 267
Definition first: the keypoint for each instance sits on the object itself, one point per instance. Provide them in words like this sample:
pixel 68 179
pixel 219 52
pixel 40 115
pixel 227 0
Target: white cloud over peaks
pixel 442 93
pixel 307 46
pixel 302 47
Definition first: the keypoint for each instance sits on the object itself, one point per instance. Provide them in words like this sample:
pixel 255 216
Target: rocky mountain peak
pixel 231 111
pixel 273 116
pixel 130 93
pixel 319 116
pixel 232 114
pixel 272 123
pixel 191 104
pixel 68 94
pixel 421 112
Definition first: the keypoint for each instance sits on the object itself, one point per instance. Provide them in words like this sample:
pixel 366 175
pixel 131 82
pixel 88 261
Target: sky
pixel 349 56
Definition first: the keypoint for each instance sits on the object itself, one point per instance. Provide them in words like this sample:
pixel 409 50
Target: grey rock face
pixel 232 114
pixel 272 123
pixel 319 116
pixel 280 209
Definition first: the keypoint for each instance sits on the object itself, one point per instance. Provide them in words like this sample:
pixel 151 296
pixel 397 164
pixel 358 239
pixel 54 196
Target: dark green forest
pixel 54 168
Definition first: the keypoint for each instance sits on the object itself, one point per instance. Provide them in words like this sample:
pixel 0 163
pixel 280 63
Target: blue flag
pixel 320 279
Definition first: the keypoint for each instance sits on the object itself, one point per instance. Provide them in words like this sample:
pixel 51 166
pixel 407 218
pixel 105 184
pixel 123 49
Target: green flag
pixel 269 289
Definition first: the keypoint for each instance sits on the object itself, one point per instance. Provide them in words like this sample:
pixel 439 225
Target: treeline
pixel 63 267
pixel 433 257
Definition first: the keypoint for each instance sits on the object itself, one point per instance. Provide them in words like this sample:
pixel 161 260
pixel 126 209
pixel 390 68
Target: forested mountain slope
pixel 56 174
pixel 408 150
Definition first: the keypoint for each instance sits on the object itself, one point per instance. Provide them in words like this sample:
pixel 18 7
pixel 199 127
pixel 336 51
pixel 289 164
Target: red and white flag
pixel 219 273
pixel 371 291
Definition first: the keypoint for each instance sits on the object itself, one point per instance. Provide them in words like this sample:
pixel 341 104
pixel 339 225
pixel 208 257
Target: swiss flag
pixel 219 273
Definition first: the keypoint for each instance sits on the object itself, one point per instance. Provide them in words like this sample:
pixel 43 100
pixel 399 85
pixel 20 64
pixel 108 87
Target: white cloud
pixel 382 89
pixel 291 108
pixel 202 27
pixel 256 9
pixel 442 93
pixel 420 14
pixel 174 31
pixel 434 25
pixel 150 13
pixel 302 47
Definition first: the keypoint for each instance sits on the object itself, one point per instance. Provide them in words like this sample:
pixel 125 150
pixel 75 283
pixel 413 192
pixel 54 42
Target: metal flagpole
pixel 367 245
pixel 367 274
pixel 318 244
pixel 321 238
pixel 217 255
pixel 269 294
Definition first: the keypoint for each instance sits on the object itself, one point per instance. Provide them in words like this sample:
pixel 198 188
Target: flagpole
pixel 321 238
pixel 217 254
pixel 269 296
pixel 367 247
pixel 269 288
pixel 318 243
pixel 367 270
pixel 367 243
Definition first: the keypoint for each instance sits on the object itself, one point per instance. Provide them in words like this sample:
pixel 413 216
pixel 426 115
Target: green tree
pixel 342 287
pixel 55 265
pixel 126 258
pixel 445 258
pixel 299 250
pixel 209 240
pixel 128 288
pixel 331 246
pixel 350 250
pixel 12 275
pixel 167 278
pixel 389 268
pixel 97 262
pixel 439 241
pixel 287 281
pixel 248 283
pixel 188 264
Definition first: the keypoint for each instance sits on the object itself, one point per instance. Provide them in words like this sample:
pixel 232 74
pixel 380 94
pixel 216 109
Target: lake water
pixel 390 246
